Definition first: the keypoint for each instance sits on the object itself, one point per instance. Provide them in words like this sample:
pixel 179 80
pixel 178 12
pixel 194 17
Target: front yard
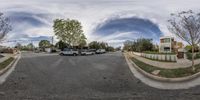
pixel 167 73
pixel 6 63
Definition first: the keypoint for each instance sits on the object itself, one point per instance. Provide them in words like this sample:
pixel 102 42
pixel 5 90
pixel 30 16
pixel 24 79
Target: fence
pixel 159 57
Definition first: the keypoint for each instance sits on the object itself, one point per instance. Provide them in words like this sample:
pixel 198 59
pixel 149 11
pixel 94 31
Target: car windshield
pixel 99 49
pixel 67 49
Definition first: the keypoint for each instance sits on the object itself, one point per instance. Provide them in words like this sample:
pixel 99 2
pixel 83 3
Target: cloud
pixel 28 26
pixel 29 18
pixel 24 20
pixel 25 39
pixel 116 30
pixel 35 18
pixel 142 27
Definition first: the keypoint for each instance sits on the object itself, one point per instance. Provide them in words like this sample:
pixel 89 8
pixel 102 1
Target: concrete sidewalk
pixel 181 63
pixel 162 85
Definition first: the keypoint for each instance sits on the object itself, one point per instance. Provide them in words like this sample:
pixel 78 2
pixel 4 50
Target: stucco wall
pixel 159 57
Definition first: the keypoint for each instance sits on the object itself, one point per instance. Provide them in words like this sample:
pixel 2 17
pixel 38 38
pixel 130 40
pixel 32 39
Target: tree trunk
pixel 193 68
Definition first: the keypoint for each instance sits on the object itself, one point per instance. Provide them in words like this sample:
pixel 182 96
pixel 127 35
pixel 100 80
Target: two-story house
pixel 169 45
pixel 166 44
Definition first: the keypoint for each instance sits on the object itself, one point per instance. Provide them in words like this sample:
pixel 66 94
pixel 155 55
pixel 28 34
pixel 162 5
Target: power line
pixel 20 40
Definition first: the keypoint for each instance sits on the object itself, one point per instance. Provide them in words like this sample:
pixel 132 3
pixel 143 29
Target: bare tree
pixel 5 26
pixel 186 25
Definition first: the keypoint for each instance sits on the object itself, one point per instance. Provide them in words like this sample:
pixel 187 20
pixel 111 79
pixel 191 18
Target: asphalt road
pixel 97 77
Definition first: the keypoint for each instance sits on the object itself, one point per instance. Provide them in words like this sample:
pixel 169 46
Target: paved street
pixel 97 77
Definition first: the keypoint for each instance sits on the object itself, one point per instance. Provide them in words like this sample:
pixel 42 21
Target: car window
pixel 67 49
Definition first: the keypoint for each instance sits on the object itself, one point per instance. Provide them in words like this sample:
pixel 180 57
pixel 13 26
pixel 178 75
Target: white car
pixel 101 51
pixel 87 52
pixel 69 52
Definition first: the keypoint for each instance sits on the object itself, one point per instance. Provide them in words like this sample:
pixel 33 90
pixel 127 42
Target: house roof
pixel 163 37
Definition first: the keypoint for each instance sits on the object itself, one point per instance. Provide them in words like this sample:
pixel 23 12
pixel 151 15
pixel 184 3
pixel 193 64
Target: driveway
pixel 97 77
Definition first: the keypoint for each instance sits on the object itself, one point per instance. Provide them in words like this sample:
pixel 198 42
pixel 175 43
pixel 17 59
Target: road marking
pixel 6 74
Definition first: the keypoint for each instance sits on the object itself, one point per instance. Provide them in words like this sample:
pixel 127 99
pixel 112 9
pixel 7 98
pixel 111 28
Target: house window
pixel 166 48
pixel 167 40
pixel 161 40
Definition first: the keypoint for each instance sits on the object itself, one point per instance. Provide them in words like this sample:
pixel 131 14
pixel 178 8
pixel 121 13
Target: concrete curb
pixel 163 79
pixel 16 57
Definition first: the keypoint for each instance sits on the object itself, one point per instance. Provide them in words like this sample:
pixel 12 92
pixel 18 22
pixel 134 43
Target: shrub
pixel 189 56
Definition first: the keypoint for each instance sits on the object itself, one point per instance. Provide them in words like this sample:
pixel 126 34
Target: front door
pixel 180 55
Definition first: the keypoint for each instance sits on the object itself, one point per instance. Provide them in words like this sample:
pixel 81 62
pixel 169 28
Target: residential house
pixel 169 45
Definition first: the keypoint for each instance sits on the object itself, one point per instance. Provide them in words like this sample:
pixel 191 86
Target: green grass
pixel 145 67
pixel 6 63
pixel 168 73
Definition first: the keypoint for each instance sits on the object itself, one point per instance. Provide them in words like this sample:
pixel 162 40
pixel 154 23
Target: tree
pixel 69 31
pixel 110 48
pixel 18 46
pixel 155 48
pixel 128 45
pixel 186 25
pixel 44 44
pixel 144 45
pixel 98 45
pixel 94 45
pixel 5 26
pixel 30 46
pixel 118 48
pixel 61 45
pixel 139 45
pixel 82 41
pixel 103 45
pixel 189 48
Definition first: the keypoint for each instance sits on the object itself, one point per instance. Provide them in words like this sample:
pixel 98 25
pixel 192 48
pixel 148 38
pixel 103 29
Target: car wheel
pixel 74 54
pixel 61 54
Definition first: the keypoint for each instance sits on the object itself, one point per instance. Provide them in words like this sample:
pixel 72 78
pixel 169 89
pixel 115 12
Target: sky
pixel 111 21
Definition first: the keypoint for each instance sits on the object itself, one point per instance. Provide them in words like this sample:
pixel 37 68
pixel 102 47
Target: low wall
pixel 159 57
pixel 137 53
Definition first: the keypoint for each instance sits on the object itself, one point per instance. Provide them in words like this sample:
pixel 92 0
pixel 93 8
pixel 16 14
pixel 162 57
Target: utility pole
pixel 52 47
pixel 52 40
pixel 32 48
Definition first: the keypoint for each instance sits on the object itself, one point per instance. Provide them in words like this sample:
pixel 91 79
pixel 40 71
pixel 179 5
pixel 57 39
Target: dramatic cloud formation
pixel 113 21
pixel 120 29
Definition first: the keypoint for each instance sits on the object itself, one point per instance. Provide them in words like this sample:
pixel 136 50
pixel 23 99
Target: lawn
pixel 168 73
pixel 6 63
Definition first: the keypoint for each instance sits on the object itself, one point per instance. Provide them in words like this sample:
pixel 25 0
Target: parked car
pixel 37 51
pixel 87 52
pixel 73 52
pixel 100 51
